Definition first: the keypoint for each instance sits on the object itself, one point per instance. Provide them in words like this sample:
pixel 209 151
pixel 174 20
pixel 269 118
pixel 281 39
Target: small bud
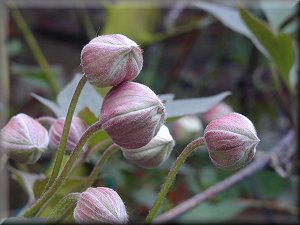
pixel 218 110
pixel 132 114
pixel 186 129
pixel 154 153
pixel 77 128
pixel 110 59
pixel 24 139
pixel 231 141
pixel 100 205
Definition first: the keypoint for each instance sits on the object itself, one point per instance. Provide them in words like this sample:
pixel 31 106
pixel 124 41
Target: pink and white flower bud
pixel 231 141
pixel 186 129
pixel 108 60
pixel 77 128
pixel 218 110
pixel 154 153
pixel 100 205
pixel 24 139
pixel 132 114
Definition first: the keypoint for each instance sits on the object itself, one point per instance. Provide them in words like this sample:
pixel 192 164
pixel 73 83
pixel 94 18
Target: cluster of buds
pixel 131 113
pixel 231 141
pixel 100 205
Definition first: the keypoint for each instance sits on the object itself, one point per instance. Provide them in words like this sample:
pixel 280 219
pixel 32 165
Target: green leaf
pixel 23 220
pixel 183 107
pixel 213 212
pixel 279 46
pixel 134 20
pixel 88 98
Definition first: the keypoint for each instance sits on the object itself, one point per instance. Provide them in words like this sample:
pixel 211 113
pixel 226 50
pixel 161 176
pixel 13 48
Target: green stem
pixel 59 181
pixel 171 176
pixel 35 49
pixel 61 206
pixel 94 174
pixel 65 133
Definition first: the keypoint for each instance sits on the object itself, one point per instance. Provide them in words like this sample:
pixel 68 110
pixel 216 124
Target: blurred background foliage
pixel 190 50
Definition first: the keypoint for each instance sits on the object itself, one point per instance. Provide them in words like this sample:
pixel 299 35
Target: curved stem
pixel 97 168
pixel 59 181
pixel 61 206
pixel 171 176
pixel 221 186
pixel 65 133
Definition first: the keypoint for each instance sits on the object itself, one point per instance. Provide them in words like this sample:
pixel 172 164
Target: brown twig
pixel 227 183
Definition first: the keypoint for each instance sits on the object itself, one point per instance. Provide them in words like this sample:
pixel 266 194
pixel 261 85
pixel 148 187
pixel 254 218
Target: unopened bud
pixel 231 141
pixel 218 110
pixel 24 139
pixel 132 114
pixel 77 128
pixel 108 60
pixel 100 205
pixel 154 153
pixel 186 129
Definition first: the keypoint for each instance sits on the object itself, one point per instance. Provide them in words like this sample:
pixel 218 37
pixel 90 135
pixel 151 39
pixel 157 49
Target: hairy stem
pixel 61 206
pixel 225 184
pixel 59 181
pixel 171 176
pixel 65 133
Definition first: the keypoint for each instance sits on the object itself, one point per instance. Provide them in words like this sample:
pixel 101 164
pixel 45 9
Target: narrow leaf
pixel 183 107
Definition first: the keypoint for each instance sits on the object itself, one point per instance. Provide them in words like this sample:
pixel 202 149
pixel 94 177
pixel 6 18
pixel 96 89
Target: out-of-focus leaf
pixel 14 47
pixel 144 196
pixel 23 220
pixel 278 12
pixel 231 18
pixel 88 98
pixel 166 97
pixel 87 116
pixel 26 180
pixel 183 107
pixel 213 212
pixel 135 20
pixel 279 46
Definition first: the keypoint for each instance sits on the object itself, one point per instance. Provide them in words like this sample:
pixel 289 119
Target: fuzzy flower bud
pixel 231 141
pixel 218 110
pixel 154 153
pixel 77 128
pixel 132 114
pixel 100 205
pixel 110 59
pixel 24 139
pixel 186 129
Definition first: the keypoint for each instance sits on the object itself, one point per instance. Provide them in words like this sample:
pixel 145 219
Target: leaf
pixel 213 212
pixel 136 21
pixel 27 181
pixel 144 196
pixel 278 12
pixel 23 220
pixel 88 98
pixel 183 107
pixel 279 47
pixel 166 97
pixel 231 18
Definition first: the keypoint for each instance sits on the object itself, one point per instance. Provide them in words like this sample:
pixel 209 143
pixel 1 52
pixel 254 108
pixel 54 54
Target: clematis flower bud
pixel 231 141
pixel 108 60
pixel 218 110
pixel 77 128
pixel 154 153
pixel 100 205
pixel 132 114
pixel 24 139
pixel 186 129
